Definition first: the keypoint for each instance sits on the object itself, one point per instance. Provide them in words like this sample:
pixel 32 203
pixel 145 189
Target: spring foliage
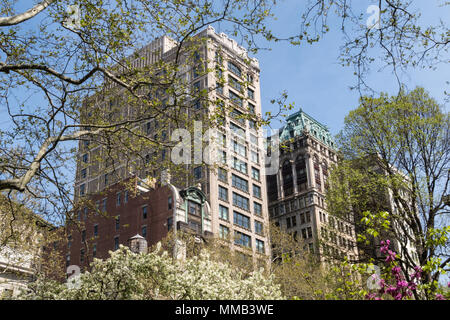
pixel 155 275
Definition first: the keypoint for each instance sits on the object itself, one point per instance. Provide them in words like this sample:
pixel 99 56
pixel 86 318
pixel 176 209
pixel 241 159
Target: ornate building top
pixel 299 122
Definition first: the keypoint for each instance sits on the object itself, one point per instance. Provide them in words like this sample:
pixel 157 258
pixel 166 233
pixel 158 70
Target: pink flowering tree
pixel 395 284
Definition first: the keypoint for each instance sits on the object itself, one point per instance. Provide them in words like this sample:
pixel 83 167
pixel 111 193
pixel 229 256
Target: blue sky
pixel 315 80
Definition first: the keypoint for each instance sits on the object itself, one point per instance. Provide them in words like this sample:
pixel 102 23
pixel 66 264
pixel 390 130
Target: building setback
pixel 296 193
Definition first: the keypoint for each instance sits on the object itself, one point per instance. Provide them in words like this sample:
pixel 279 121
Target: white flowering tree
pixel 155 275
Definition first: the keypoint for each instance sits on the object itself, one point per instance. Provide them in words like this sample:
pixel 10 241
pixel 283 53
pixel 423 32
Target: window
pixel 222 139
pixel 117 223
pixel 198 173
pixel 223 193
pixel 219 84
pixel 304 234
pixel 85 213
pixel 252 124
pixel 249 78
pixel 234 69
pixel 96 230
pixel 125 196
pixel 196 86
pixel 259 246
pixel 106 179
pixel 222 174
pixel 83 235
pixel 235 84
pixel 148 127
pixel 239 183
pixel 239 165
pixel 309 232
pixel 94 250
pixel 258 227
pixel 116 243
pixel 82 189
pixel 255 174
pixel 237 130
pixel 169 203
pixel 223 212
pixel 144 212
pixel 169 223
pixel 257 208
pixel 104 204
pixel 240 201
pixel 242 239
pixel 144 231
pixel 83 173
pixel 85 158
pixel 254 156
pixel 236 99
pixel 238 116
pixel 194 208
pixel 224 232
pixel 81 256
pixel 308 216
pixel 251 94
pixel 118 199
pixel 222 157
pixel 241 220
pixel 253 139
pixel 256 191
pixel 240 149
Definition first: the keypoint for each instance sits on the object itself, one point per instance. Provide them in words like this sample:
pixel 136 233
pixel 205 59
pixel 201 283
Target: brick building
pixel 120 213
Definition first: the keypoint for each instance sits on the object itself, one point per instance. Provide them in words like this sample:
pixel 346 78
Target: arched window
pixel 287 178
pixel 302 177
pixel 325 174
pixel 317 172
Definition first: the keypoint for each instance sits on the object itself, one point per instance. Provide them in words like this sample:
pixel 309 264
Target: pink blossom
pixel 439 297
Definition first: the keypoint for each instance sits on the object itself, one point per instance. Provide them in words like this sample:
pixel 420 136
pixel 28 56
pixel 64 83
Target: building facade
pixel 234 186
pixel 296 193
pixel 122 213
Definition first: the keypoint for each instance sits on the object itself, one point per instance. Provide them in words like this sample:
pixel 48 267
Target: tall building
pixel 296 193
pixel 380 198
pixel 235 188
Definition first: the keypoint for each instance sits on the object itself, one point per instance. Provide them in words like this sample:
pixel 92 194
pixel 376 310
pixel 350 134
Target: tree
pixel 393 36
pixel 66 73
pixel 394 174
pixel 154 276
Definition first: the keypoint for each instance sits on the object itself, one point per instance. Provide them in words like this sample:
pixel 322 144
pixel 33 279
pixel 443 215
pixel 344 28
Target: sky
pixel 314 79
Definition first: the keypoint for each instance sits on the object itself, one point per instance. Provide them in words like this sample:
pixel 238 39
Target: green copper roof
pixel 297 122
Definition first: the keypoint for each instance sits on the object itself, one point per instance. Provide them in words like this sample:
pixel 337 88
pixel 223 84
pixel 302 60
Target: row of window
pixel 241 239
pixel 240 201
pixel 240 219
pixel 290 206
